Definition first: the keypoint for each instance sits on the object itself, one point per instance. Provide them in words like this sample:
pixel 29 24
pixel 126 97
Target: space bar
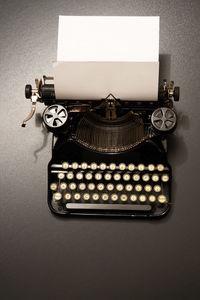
pixel 132 207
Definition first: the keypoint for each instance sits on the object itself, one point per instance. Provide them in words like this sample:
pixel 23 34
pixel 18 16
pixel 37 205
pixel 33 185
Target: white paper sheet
pixel 101 55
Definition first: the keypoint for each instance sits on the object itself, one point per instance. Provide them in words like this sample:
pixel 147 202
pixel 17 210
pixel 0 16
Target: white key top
pixel 133 198
pixel 72 186
pixel 117 176
pixel 126 177
pixel 79 175
pixel 145 177
pixel 110 187
pixel 100 186
pixel 162 199
pixel 77 196
pixel 82 186
pixel 114 197
pixel 102 166
pixel 75 165
pixel 157 188
pixel 136 177
pixel 122 166
pixel 65 165
pixel 84 165
pixel 160 167
pixel 119 187
pixel 148 188
pixel 138 188
pixel 152 198
pixel 165 178
pixel 104 197
pixel 86 196
pixel 95 197
pixel 112 166
pixel 107 176
pixel 88 176
pixel 123 197
pixel 70 175
pixel 63 186
pixel 91 186
pixel 151 167
pixel 155 177
pixel 128 187
pixel 142 198
pixel 141 167
pixel 98 176
pixel 57 196
pixel 61 175
pixel 68 196
pixel 93 166
pixel 131 167
pixel 53 186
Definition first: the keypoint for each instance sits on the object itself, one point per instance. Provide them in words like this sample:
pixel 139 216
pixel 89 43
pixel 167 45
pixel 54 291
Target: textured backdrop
pixel 45 257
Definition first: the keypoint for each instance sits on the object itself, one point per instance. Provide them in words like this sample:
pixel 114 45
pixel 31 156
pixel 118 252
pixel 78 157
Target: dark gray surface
pixel 44 257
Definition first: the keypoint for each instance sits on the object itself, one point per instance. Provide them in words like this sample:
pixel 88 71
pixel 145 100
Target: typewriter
pixel 110 156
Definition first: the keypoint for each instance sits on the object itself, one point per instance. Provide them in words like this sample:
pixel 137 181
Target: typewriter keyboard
pixel 115 189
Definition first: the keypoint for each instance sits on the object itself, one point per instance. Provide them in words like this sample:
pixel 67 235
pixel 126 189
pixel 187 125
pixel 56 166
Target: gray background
pixel 45 257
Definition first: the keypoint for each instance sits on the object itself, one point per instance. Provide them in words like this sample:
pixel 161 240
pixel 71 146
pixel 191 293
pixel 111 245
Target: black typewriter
pixel 109 157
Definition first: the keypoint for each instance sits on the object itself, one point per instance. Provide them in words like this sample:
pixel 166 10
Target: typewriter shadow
pixel 164 67
pixel 39 123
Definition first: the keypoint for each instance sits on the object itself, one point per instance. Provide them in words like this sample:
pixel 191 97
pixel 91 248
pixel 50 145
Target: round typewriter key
pixel 95 197
pixel 104 197
pixel 148 188
pixel 102 166
pixel 155 177
pixel 70 175
pixel 142 198
pixel 162 199
pixel 165 178
pixel 136 177
pixel 68 196
pixel 98 176
pixel 138 188
pixel 131 167
pixel 100 186
pixel 82 186
pixel 65 165
pixel 119 187
pixel 72 186
pixel 117 176
pixel 141 167
pixel 126 177
pixel 63 186
pixel 86 196
pixel 57 196
pixel 114 197
pixel 61 175
pixel 145 177
pixel 77 196
pixel 152 198
pixel 133 198
pixel 157 188
pixel 93 166
pixel 107 176
pixel 160 167
pixel 151 167
pixel 84 165
pixel 53 186
pixel 123 197
pixel 122 166
pixel 79 175
pixel 74 165
pixel 88 176
pixel 112 166
pixel 91 186
pixel 128 187
pixel 110 187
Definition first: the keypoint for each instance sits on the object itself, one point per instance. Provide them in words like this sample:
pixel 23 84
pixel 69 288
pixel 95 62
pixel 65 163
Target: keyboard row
pixel 111 176
pixel 72 186
pixel 112 166
pixel 113 198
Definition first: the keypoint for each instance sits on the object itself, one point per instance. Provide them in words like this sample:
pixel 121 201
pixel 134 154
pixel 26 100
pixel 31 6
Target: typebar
pixel 130 207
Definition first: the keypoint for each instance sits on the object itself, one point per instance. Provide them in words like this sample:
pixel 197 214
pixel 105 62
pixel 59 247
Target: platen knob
pixel 28 91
